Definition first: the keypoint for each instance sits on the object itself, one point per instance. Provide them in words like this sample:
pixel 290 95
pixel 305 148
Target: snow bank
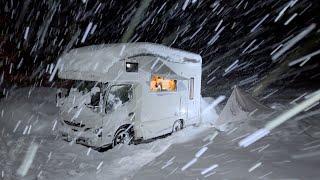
pixel 208 114
pixel 124 161
pixel 56 159
pixel 28 111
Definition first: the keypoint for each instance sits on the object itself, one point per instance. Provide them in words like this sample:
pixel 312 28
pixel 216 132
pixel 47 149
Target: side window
pixel 191 88
pixel 117 96
pixel 162 84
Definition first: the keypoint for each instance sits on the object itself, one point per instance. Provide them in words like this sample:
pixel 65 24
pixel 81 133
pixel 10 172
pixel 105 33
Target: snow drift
pixel 29 111
pixel 208 114
pixel 29 116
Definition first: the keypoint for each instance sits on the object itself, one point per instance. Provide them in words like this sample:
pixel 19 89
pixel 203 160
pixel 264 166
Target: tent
pixel 240 107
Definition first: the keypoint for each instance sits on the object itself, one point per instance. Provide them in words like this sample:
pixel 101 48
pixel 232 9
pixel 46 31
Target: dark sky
pixel 222 32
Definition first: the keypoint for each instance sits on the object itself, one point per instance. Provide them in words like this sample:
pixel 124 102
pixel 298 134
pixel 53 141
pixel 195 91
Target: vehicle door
pixel 119 107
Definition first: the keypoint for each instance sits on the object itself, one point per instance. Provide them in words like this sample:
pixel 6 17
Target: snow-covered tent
pixel 240 107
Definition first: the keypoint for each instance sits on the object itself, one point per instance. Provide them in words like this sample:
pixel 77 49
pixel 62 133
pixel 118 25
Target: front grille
pixel 74 124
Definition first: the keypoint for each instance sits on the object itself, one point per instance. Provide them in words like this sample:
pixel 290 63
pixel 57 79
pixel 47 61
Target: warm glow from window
pixel 158 84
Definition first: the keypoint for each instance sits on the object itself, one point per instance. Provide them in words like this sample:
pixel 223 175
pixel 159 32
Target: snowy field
pixel 29 115
pixel 285 155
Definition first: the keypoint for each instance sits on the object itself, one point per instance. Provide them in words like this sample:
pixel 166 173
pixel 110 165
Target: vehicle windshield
pixel 92 88
pixel 114 97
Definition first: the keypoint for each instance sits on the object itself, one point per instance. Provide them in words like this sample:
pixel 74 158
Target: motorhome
pixel 127 91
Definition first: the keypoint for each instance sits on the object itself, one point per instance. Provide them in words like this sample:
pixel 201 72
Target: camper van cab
pixel 124 92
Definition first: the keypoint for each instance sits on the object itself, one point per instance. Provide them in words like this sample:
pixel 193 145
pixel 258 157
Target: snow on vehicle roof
pixel 99 58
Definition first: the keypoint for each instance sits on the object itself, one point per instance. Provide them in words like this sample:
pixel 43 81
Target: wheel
pixel 177 126
pixel 122 136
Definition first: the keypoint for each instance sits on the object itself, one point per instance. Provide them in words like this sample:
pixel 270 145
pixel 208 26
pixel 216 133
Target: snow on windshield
pixel 84 92
pixel 118 95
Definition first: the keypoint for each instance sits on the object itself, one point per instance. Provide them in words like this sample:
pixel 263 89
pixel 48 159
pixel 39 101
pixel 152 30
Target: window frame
pixel 191 88
pixel 134 63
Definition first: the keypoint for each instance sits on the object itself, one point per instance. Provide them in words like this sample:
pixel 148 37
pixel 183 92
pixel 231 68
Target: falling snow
pixel 269 49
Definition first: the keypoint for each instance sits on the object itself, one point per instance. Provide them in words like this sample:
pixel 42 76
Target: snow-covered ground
pixel 286 154
pixel 283 155
pixel 58 159
pixel 289 152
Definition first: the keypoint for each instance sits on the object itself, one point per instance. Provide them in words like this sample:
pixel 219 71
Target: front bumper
pixel 86 138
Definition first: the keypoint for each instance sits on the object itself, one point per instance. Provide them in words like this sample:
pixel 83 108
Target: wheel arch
pixel 181 121
pixel 124 126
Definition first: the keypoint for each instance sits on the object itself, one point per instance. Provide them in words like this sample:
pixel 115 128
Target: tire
pixel 177 126
pixel 122 136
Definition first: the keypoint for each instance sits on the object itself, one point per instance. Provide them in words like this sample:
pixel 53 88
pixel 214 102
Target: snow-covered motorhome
pixel 128 91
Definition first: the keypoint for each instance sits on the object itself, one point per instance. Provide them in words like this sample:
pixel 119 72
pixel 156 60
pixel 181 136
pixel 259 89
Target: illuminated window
pixel 191 95
pixel 161 84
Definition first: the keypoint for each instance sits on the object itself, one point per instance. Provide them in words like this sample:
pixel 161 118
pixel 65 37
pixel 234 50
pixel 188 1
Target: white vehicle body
pixel 163 86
